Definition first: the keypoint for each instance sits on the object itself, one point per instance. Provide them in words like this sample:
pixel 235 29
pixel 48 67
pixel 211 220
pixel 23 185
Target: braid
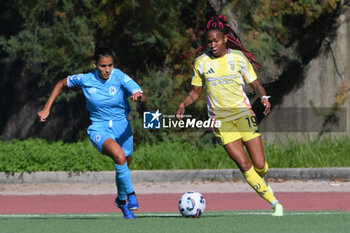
pixel 233 40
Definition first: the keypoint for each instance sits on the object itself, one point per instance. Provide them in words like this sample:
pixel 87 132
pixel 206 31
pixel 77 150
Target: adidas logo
pixel 210 71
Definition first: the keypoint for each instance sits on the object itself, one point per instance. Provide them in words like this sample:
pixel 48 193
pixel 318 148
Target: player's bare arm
pixel 260 91
pixel 45 112
pixel 189 99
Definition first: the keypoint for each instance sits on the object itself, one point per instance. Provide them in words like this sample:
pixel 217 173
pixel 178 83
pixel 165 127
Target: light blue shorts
pixel 120 131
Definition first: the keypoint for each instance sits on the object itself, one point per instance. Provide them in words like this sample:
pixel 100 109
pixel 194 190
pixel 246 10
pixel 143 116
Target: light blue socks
pixel 123 181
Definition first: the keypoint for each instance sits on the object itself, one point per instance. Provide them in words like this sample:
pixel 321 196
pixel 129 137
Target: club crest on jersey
pixel 231 64
pixel 112 90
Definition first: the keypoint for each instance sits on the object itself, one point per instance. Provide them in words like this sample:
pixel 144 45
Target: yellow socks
pixel 255 178
pixel 259 185
pixel 263 171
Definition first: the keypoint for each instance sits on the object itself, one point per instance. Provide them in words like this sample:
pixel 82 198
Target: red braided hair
pixel 233 41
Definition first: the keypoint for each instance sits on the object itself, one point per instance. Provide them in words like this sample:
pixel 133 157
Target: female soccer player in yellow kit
pixel 224 68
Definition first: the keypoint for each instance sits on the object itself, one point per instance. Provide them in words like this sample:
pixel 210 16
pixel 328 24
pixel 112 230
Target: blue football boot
pixel 132 202
pixel 125 209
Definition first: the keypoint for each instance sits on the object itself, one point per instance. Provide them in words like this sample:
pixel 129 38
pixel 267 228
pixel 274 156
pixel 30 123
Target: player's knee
pixel 260 165
pixel 245 166
pixel 119 158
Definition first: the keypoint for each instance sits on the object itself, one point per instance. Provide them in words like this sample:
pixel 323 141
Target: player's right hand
pixel 267 106
pixel 43 114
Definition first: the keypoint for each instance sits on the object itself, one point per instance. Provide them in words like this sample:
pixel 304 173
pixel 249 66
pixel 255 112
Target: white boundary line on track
pixel 45 216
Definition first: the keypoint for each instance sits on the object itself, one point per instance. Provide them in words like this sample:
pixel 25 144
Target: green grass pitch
pixel 211 222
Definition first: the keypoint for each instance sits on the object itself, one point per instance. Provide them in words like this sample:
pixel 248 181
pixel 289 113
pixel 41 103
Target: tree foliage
pixel 55 38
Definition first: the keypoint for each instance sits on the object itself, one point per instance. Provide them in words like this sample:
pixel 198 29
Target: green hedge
pixel 39 155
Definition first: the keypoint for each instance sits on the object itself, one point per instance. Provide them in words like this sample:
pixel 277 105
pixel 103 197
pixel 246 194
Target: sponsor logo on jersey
pixel 210 71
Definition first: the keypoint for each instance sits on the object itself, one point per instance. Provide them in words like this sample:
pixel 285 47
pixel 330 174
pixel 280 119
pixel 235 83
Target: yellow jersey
pixel 225 77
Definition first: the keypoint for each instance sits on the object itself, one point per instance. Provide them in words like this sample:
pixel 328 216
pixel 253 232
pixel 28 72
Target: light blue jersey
pixel 107 102
pixel 105 99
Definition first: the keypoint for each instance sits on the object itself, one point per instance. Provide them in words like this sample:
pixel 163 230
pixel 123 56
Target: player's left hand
pixel 180 111
pixel 136 97
pixel 267 106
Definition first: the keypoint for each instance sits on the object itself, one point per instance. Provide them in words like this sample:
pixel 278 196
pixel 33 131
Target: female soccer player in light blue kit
pixel 107 90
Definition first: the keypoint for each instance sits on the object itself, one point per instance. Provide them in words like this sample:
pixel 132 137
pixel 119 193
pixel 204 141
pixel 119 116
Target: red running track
pixel 301 201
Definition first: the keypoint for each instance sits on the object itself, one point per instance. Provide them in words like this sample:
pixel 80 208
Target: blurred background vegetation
pixel 43 41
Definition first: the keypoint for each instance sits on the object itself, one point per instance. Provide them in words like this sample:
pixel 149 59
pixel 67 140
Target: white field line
pixel 119 215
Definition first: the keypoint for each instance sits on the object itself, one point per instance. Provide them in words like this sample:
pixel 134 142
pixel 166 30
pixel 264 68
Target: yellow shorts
pixel 245 128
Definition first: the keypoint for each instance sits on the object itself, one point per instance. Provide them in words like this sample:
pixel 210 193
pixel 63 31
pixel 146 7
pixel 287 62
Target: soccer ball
pixel 192 204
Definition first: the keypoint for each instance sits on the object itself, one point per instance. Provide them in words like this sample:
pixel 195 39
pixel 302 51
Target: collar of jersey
pixel 211 55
